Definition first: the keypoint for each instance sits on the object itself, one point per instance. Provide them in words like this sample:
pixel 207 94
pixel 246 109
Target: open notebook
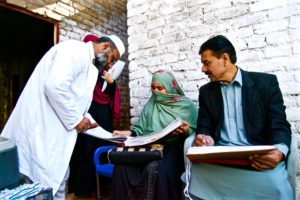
pixel 134 141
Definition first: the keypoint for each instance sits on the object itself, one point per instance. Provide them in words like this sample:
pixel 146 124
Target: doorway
pixel 24 39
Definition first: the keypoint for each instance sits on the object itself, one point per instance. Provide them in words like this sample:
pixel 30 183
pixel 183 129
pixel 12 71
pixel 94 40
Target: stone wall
pixel 168 33
pixel 78 18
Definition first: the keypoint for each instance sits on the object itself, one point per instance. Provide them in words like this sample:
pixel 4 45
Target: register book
pixel 230 155
pixel 129 141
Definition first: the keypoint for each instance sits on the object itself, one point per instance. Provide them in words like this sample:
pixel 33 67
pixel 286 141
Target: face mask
pixel 159 97
pixel 101 60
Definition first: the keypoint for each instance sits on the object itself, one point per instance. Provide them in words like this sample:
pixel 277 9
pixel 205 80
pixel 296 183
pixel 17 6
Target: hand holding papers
pixel 129 141
pixel 233 155
pixel 115 71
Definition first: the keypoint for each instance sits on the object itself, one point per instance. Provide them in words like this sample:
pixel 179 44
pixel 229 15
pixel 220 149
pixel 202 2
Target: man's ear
pixel 226 58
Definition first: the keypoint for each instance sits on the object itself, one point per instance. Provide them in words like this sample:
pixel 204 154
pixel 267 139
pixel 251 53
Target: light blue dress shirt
pixel 233 131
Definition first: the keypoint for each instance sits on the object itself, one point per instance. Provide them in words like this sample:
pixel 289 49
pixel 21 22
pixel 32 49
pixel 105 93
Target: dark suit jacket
pixel 263 110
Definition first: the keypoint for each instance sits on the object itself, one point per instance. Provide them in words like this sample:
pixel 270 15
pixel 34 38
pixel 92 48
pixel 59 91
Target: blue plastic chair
pixel 103 169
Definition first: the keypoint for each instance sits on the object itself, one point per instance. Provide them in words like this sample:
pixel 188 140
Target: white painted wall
pixel 167 34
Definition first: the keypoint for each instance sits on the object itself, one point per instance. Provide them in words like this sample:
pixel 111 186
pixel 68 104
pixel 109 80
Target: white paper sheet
pixel 100 133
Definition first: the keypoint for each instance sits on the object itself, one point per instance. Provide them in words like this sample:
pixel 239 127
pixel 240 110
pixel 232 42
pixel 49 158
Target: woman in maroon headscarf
pixel 105 109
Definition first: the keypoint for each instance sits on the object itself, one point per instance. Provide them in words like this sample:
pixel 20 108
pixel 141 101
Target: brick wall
pixel 168 33
pixel 78 18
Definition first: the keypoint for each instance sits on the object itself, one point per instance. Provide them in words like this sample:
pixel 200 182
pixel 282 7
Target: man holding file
pixel 240 108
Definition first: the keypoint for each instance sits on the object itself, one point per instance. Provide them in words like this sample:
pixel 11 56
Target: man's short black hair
pixel 218 45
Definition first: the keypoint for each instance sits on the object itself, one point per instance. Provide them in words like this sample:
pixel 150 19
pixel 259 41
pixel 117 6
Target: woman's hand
pixel 182 130
pixel 108 77
pixel 121 133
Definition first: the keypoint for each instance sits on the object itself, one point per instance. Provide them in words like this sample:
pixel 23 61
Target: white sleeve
pixel 65 67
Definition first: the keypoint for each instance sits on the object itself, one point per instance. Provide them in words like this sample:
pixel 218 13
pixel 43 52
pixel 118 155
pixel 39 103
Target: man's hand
pixel 85 124
pixel 266 161
pixel 203 140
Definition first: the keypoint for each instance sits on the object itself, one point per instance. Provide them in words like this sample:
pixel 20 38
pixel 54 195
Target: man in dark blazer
pixel 241 108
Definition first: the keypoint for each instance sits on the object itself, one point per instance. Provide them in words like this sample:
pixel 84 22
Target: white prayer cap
pixel 119 44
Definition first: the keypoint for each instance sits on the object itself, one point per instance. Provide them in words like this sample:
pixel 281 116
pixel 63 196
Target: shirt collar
pixel 237 79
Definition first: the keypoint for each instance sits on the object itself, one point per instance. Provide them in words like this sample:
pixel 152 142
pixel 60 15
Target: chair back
pixel 104 169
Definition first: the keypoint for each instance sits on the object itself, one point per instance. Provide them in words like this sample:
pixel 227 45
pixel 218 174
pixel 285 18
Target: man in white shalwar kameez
pixel 53 106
